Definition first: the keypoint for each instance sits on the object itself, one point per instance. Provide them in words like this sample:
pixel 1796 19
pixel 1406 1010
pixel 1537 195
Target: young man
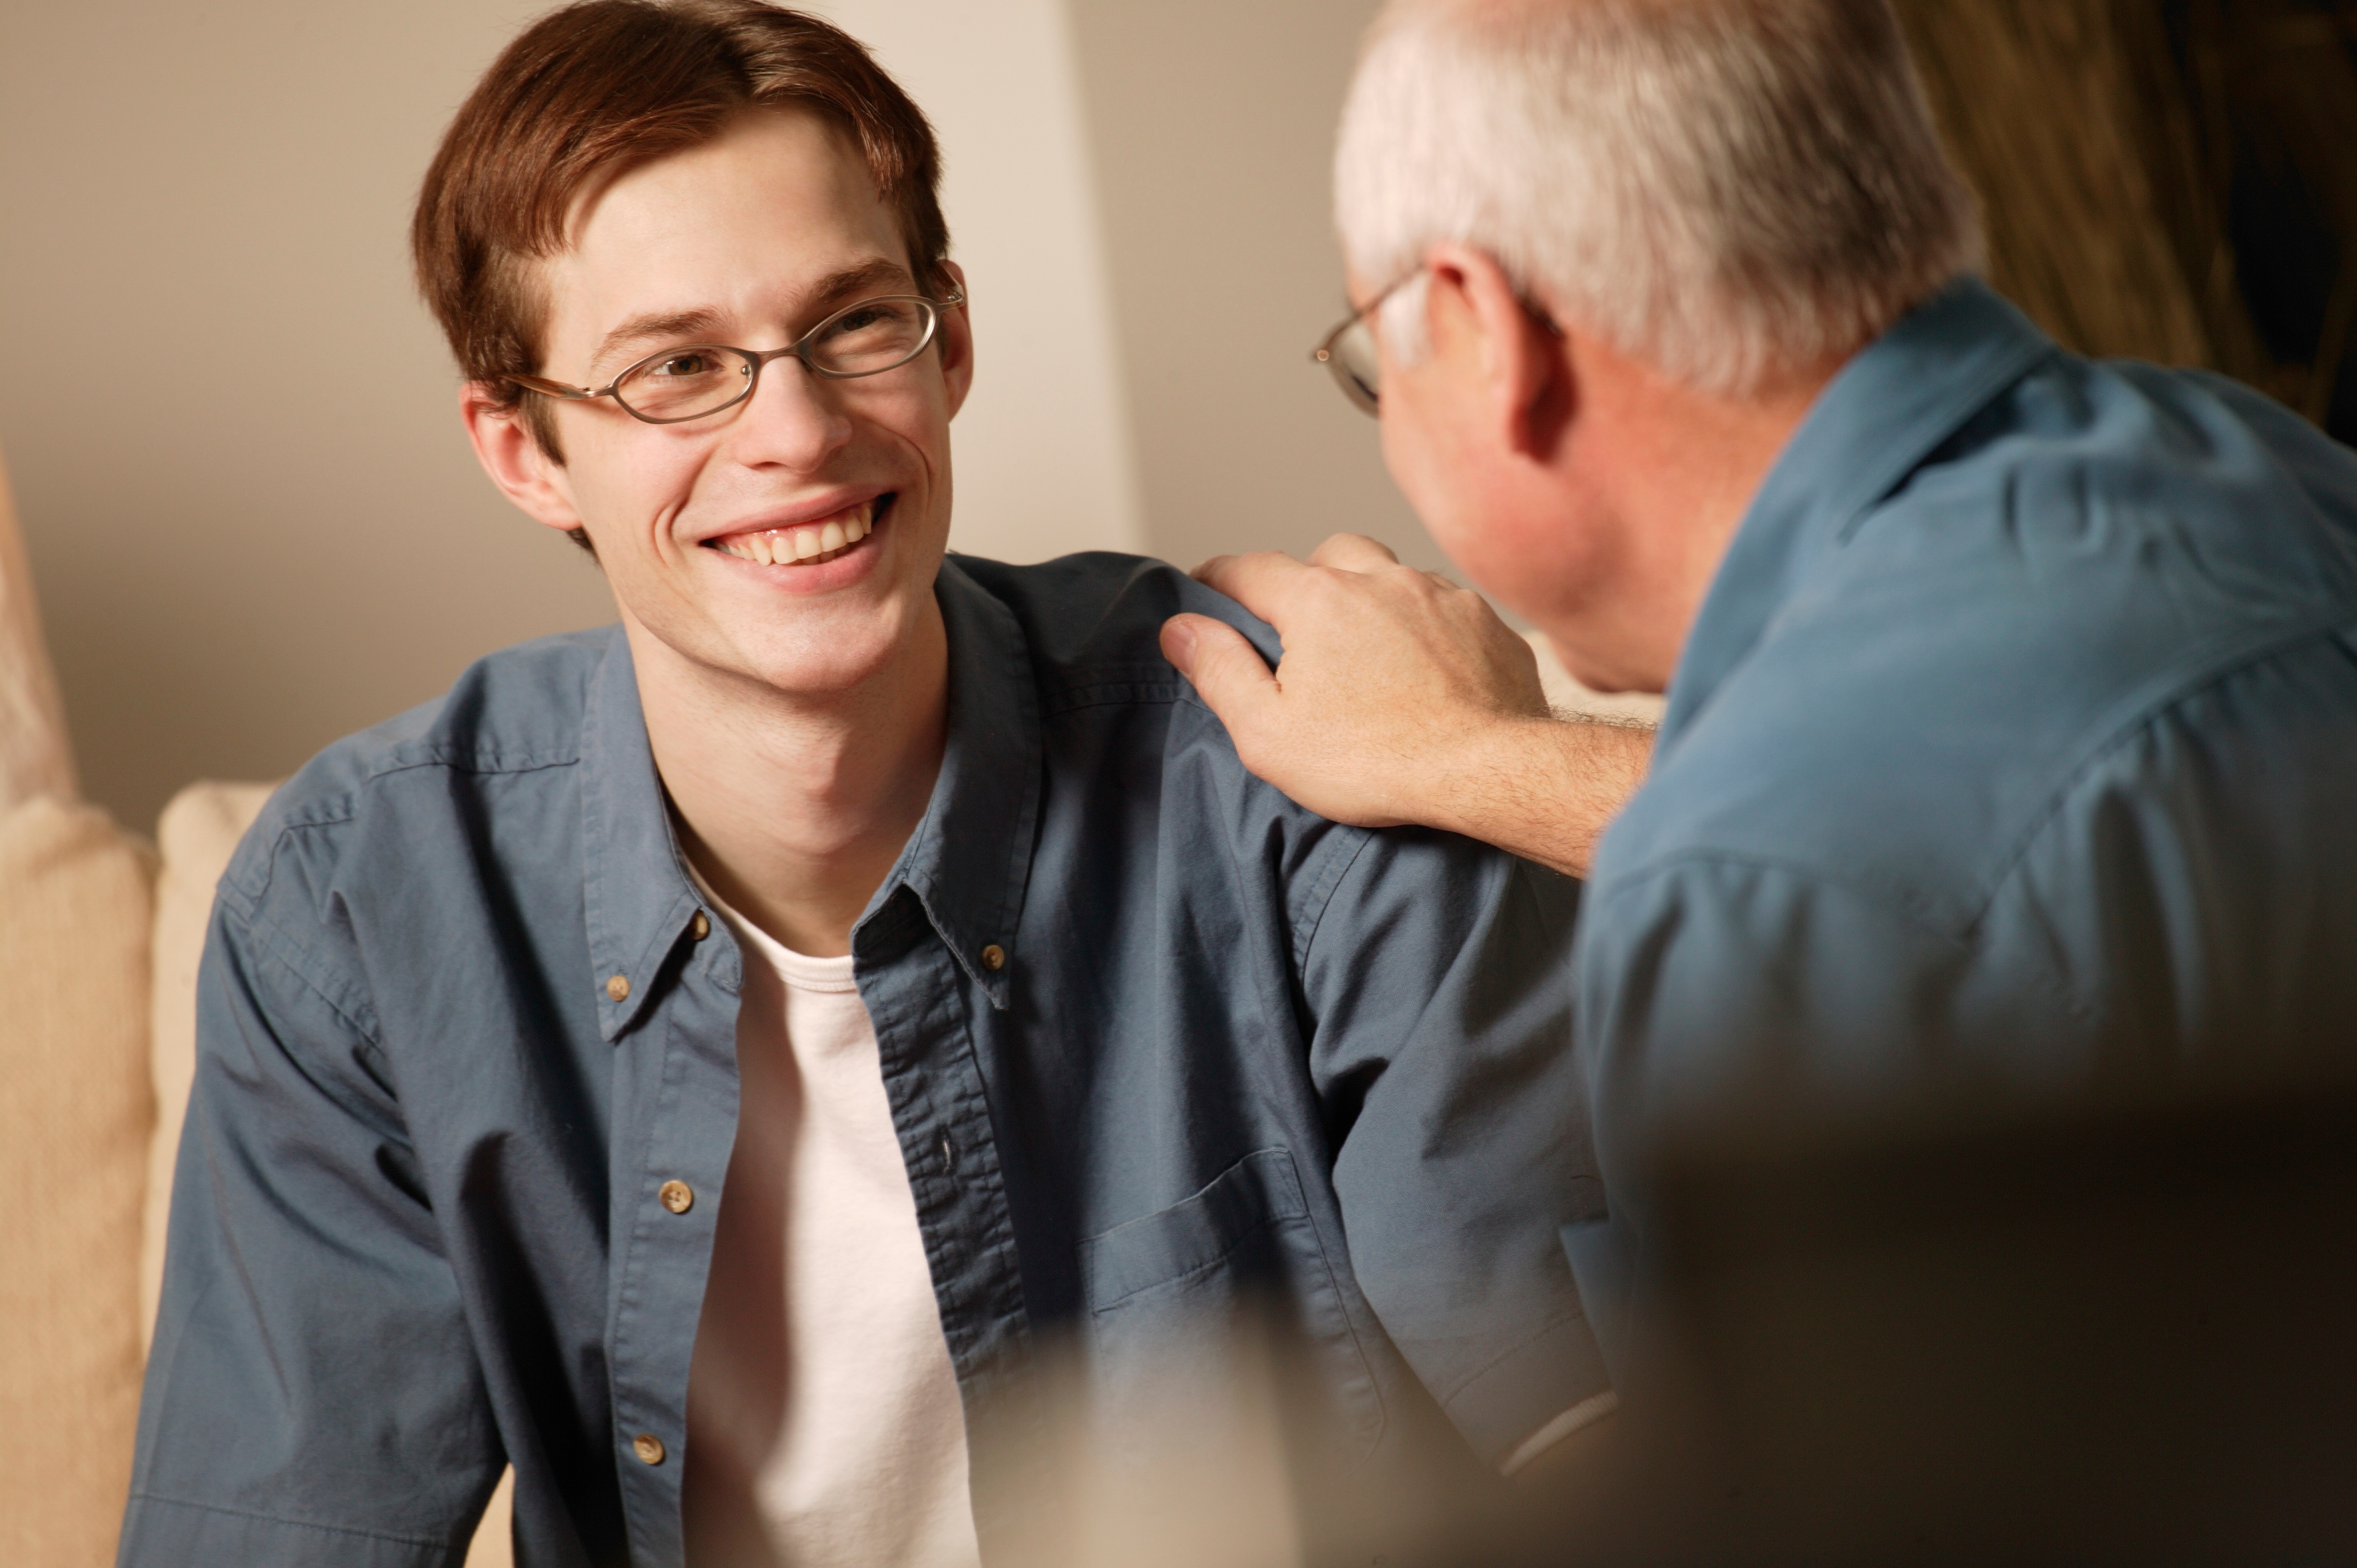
pixel 700 1062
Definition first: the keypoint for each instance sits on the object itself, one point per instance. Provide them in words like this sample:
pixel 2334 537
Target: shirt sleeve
pixel 1438 979
pixel 312 1395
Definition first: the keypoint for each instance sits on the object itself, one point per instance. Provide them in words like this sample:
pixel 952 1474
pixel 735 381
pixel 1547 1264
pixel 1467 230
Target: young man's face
pixel 750 241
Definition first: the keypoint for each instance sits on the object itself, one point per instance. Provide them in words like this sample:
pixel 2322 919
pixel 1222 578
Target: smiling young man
pixel 704 1062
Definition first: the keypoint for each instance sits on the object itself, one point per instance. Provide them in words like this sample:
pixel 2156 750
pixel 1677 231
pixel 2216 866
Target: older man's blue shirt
pixel 2015 745
pixel 1162 1049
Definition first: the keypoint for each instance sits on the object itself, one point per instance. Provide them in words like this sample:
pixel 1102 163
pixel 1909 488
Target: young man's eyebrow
pixel 844 285
pixel 671 324
pixel 858 279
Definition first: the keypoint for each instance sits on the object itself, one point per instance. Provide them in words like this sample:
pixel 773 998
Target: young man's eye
pixel 879 321
pixel 696 364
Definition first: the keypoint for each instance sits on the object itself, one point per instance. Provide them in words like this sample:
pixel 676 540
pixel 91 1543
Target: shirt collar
pixel 635 891
pixel 1887 411
pixel 968 864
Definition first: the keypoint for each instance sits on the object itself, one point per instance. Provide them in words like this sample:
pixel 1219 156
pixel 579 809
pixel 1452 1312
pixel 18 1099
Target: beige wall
pixel 253 520
pixel 1212 127
pixel 1042 453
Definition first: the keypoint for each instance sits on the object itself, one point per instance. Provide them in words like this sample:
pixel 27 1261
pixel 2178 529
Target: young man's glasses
pixel 693 381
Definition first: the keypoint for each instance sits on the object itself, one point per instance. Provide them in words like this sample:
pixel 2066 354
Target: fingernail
pixel 1178 642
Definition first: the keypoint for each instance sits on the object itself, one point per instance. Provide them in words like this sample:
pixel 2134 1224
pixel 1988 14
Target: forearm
pixel 1543 788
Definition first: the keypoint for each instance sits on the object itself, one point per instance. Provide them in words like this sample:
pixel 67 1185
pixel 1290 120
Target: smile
pixel 808 544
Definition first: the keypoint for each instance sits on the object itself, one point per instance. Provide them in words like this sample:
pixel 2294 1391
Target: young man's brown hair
pixel 597 87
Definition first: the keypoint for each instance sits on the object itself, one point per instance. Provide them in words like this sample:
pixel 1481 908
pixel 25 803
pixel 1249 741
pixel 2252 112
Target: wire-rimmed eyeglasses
pixel 692 380
pixel 1349 351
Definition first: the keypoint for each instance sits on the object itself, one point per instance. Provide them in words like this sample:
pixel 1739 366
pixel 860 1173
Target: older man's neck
pixel 794 811
pixel 1681 467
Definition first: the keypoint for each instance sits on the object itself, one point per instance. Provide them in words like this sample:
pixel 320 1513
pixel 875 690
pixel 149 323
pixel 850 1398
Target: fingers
pixel 1209 573
pixel 1271 584
pixel 1227 672
pixel 1257 581
pixel 1341 552
pixel 1352 553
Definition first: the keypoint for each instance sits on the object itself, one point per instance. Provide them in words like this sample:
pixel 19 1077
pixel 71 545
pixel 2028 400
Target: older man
pixel 2012 721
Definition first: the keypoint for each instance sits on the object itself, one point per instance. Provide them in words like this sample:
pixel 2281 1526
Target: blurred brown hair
pixel 594 88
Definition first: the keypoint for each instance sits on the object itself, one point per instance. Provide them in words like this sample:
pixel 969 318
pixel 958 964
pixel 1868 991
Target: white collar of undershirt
pixel 800 971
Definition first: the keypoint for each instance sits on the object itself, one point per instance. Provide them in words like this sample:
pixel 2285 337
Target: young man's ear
pixel 513 458
pixel 957 332
pixel 1524 369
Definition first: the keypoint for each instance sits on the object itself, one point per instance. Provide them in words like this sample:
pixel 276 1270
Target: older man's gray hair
pixel 1723 189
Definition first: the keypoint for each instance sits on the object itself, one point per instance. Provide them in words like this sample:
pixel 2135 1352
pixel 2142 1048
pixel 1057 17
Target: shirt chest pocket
pixel 1221 1321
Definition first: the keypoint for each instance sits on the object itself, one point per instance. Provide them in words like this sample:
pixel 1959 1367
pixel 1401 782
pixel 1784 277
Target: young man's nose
pixel 794 418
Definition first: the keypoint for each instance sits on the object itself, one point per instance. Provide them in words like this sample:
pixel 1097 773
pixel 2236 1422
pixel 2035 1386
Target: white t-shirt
pixel 824 1425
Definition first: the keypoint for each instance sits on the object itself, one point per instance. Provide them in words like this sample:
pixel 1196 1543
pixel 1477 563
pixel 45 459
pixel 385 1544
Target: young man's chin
pixel 833 652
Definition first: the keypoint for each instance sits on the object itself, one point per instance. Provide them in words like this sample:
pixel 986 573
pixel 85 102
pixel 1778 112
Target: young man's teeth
pixel 783 547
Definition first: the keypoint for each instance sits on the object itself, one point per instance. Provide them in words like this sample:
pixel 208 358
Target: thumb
pixel 1228 673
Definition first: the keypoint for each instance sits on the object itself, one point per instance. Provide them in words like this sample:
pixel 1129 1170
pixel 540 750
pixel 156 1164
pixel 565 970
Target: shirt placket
pixel 919 997
pixel 678 1069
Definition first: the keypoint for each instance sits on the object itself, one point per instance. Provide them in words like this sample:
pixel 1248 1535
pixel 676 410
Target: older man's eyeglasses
pixel 1349 351
pixel 694 380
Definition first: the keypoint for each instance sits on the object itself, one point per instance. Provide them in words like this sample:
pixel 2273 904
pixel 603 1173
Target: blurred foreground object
pixel 2174 180
pixel 2118 1333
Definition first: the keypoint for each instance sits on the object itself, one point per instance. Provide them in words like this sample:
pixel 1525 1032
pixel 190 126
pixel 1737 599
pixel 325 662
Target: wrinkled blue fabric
pixel 1232 1051
pixel 2012 754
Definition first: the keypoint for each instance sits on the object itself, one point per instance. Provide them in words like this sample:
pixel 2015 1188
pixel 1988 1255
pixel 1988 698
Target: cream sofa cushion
pixel 199 831
pixel 34 756
pixel 75 1114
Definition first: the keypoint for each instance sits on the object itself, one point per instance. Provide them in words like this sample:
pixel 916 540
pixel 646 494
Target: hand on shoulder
pixel 1402 698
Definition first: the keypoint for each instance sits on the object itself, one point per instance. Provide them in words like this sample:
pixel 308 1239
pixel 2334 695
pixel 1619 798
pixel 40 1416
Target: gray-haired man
pixel 2012 710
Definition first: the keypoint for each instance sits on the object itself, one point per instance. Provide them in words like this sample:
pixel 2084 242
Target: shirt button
pixel 648 1447
pixel 700 926
pixel 677 1197
pixel 619 987
pixel 994 957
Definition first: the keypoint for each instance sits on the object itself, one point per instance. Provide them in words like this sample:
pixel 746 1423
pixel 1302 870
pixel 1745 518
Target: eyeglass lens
pixel 1356 368
pixel 686 382
pixel 866 339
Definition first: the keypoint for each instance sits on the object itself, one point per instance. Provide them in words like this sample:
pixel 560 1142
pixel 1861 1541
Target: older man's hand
pixel 1402 698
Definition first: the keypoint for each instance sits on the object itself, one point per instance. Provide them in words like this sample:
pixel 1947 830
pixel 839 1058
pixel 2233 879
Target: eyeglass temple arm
pixel 555 389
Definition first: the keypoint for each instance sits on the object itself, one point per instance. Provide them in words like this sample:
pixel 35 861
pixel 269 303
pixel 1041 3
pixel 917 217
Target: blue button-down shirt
pixel 2013 747
pixel 459 1024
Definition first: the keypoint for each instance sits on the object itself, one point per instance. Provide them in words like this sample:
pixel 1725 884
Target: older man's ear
pixel 1475 316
